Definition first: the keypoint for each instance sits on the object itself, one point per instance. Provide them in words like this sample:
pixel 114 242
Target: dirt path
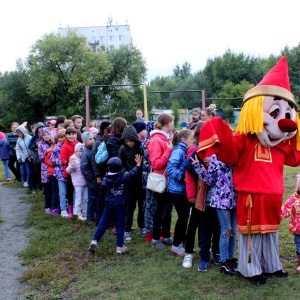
pixel 13 212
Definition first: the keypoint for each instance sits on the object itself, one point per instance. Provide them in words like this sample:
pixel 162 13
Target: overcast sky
pixel 168 32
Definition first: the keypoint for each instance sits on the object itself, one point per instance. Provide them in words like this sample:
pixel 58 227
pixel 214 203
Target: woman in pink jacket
pixel 159 150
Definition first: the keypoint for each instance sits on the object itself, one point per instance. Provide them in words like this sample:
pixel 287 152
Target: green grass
pixel 59 265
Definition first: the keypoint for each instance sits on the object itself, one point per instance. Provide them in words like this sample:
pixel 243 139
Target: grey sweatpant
pixel 264 254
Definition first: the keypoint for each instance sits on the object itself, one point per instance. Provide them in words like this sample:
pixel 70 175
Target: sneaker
pixel 127 236
pixel 233 263
pixel 55 212
pixel 8 179
pixel 142 232
pixel 158 244
pixel 217 259
pixel 48 211
pixel 203 266
pixel 121 249
pixel 227 269
pixel 64 213
pixel 178 250
pixel 93 246
pixel 187 261
pixel 167 241
pixel 25 184
pixel 81 218
pixel 298 269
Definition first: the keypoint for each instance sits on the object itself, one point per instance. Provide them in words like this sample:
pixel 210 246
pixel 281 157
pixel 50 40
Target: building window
pixel 120 37
pixel 93 39
pixel 102 38
pixel 111 47
pixel 111 38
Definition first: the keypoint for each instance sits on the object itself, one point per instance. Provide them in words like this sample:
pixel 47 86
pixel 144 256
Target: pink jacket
pixel 76 175
pixel 292 207
pixel 158 151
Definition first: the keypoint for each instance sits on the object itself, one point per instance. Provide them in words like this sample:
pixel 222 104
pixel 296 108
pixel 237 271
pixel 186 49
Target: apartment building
pixel 111 36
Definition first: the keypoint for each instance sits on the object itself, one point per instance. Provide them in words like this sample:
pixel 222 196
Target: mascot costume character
pixel 267 138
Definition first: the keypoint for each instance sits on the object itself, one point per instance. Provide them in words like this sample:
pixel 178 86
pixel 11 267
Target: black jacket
pixel 87 168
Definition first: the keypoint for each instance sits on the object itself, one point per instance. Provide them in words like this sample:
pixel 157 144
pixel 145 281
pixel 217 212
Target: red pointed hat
pixel 276 83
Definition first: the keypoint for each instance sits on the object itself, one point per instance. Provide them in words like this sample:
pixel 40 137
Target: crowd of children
pixel 101 176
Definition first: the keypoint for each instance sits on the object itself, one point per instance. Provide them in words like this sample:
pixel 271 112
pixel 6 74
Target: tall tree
pixel 61 67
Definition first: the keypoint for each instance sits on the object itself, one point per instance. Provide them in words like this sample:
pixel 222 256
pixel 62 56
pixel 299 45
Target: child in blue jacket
pixel 115 192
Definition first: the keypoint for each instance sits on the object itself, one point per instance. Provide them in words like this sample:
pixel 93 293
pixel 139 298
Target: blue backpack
pixel 102 154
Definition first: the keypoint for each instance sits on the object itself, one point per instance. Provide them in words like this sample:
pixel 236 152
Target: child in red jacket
pixel 67 149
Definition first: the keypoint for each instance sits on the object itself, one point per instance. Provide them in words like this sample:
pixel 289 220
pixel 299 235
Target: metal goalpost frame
pixel 87 99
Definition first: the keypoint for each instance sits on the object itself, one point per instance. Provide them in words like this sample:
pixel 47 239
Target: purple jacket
pixel 219 176
pixel 42 152
pixel 55 160
pixel 4 151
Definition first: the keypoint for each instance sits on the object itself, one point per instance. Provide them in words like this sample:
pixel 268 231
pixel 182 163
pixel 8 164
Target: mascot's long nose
pixel 287 125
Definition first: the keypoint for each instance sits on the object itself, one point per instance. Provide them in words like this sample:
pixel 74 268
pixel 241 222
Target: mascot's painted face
pixel 279 122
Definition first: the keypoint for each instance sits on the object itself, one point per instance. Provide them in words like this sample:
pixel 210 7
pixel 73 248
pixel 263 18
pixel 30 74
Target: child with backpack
pixel 115 192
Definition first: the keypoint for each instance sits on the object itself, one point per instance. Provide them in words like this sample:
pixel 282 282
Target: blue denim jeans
pixel 227 219
pixel 26 173
pixel 297 243
pixel 150 209
pixel 119 216
pixel 6 169
pixel 62 186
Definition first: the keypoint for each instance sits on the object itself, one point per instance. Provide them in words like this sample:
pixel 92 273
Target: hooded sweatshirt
pixel 127 154
pixel 33 143
pixel 23 150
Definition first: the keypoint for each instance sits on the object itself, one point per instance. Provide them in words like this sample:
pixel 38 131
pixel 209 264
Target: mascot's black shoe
pixel 281 273
pixel 257 280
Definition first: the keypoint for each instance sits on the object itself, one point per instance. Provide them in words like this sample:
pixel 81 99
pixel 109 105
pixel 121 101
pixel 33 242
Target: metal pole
pixel 145 104
pixel 87 108
pixel 203 99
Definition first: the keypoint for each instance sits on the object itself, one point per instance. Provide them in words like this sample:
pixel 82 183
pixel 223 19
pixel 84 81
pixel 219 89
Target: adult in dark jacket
pixel 115 192
pixel 12 138
pixel 33 145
